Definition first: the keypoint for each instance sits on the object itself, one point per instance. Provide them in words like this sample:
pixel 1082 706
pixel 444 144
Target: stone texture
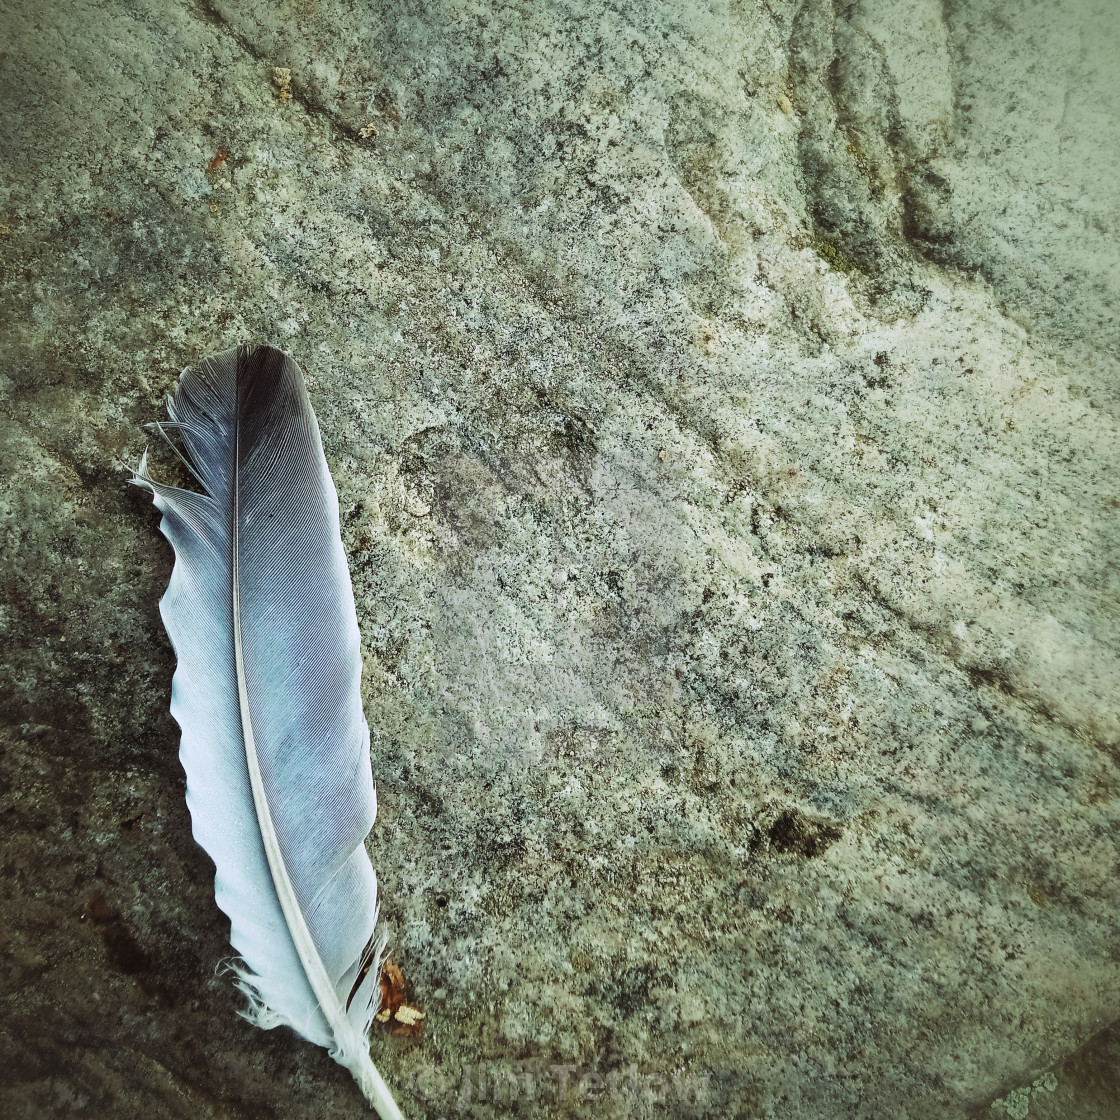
pixel 723 405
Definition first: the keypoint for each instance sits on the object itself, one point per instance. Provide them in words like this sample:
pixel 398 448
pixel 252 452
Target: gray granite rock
pixel 723 406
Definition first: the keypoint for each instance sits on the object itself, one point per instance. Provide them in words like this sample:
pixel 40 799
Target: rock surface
pixel 723 404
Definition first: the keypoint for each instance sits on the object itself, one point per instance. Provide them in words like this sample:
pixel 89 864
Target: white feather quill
pixel 267 694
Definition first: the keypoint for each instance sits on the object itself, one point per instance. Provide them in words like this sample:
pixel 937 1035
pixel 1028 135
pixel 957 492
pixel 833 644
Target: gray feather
pixel 267 694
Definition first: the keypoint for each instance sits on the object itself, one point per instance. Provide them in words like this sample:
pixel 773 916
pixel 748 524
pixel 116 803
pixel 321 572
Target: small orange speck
pixel 401 1018
pixel 408 1016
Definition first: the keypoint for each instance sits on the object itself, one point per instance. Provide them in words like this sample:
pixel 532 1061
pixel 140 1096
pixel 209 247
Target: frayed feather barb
pixel 267 694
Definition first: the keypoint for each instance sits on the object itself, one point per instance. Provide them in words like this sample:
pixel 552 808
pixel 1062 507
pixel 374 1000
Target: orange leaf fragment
pixel 400 1017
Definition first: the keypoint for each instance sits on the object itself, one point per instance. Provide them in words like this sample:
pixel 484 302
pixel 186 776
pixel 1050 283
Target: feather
pixel 267 695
